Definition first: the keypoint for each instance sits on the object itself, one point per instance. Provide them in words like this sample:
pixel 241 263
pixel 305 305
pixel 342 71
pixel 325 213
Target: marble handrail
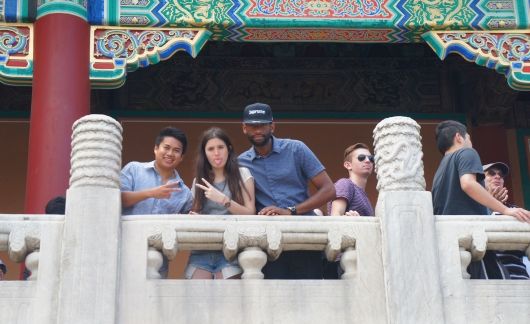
pixel 20 235
pixel 252 239
pixel 476 234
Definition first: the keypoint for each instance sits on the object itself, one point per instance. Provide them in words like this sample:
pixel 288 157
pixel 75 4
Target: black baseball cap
pixel 257 113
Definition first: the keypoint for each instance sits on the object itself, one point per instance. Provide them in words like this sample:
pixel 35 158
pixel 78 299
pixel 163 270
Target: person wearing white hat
pixel 495 173
pixel 494 181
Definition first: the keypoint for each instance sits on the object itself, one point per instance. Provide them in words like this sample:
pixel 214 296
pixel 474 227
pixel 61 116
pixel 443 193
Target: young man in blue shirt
pixel 155 187
pixel 282 169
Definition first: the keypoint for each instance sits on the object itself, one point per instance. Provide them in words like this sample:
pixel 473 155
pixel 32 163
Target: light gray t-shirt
pixel 213 208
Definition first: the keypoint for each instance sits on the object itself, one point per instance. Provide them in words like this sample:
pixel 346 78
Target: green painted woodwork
pixel 507 52
pixel 72 7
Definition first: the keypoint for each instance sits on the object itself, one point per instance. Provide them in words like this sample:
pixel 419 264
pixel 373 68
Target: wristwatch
pixel 228 203
pixel 292 209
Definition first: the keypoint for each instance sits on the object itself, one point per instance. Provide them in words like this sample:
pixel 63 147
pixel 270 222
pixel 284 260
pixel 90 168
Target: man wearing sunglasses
pixel 458 188
pixel 351 199
pixel 494 180
pixel 511 260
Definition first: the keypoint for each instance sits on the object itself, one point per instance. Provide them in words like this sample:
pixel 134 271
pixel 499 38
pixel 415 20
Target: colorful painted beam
pixel 239 20
pixel 16 54
pixel 116 51
pixel 506 52
pixel 76 8
pixel 300 20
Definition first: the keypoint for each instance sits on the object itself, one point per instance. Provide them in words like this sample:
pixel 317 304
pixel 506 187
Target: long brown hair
pixel 204 169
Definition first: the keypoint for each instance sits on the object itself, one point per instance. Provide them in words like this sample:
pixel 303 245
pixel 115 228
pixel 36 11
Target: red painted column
pixel 61 95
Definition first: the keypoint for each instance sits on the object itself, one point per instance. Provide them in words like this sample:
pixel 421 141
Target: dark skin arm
pixel 325 192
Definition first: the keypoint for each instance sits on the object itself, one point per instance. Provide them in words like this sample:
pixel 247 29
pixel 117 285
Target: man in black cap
pixel 512 261
pixel 282 169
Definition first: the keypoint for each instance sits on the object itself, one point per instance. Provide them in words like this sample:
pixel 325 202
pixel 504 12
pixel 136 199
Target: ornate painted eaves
pixel 116 51
pixel 16 54
pixel 508 52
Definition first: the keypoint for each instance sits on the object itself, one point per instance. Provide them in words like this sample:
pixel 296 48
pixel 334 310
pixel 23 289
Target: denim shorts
pixel 211 261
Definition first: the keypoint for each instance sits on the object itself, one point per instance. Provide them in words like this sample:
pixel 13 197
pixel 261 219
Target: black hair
pixel 175 133
pixel 204 169
pixel 56 206
pixel 446 132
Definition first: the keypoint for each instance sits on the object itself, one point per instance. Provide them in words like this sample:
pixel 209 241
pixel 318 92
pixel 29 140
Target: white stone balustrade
pixel 403 266
pixel 476 234
pixel 462 238
pixel 35 240
pixel 237 234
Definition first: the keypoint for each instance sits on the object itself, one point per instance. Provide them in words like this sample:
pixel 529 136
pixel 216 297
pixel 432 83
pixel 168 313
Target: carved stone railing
pixel 253 239
pixel 404 265
pixel 476 234
pixel 36 241
pixel 20 235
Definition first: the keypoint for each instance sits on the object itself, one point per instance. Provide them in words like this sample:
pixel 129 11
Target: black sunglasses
pixel 362 157
pixel 493 173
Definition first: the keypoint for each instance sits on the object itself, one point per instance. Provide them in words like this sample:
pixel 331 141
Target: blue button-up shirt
pixel 137 176
pixel 281 177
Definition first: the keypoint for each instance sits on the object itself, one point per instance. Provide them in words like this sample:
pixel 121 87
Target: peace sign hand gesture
pixel 212 193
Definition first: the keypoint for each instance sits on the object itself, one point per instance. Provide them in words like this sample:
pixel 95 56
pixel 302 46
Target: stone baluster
pixel 24 245
pixel 348 263
pixel 252 260
pixel 472 248
pixel 32 264
pixel 343 239
pixel 253 241
pixel 162 242
pixel 154 263
pixel 465 260
pixel 408 236
pixel 91 239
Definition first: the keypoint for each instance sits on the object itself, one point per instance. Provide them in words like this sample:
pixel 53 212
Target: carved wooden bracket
pixel 507 52
pixel 114 51
pixel 16 54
